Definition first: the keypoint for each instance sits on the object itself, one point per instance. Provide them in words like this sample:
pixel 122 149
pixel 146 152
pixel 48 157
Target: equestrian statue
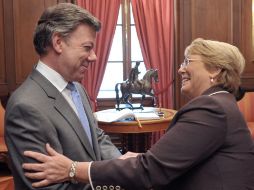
pixel 135 86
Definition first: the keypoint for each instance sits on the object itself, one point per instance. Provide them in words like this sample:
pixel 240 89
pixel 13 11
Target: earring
pixel 211 80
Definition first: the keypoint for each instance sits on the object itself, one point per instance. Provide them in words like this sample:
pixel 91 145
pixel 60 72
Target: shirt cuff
pixel 89 175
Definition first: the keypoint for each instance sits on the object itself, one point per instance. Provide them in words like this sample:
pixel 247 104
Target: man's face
pixel 77 53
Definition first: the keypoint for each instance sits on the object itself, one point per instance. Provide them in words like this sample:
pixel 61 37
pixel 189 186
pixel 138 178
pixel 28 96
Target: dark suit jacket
pixel 37 113
pixel 207 147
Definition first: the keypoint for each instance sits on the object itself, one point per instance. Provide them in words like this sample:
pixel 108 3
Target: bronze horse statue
pixel 143 87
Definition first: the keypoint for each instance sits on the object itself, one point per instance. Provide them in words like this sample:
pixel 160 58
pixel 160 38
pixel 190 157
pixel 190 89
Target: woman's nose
pixel 181 70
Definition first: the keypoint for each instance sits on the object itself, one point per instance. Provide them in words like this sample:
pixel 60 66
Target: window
pixel 124 53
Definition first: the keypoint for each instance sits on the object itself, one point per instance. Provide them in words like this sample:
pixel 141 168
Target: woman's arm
pixel 54 168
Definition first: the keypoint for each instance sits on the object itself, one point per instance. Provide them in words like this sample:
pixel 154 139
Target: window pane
pixel 135 47
pixel 132 19
pixel 116 52
pixel 114 69
pixel 119 19
pixel 113 75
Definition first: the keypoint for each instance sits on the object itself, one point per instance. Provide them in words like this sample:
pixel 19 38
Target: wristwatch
pixel 72 172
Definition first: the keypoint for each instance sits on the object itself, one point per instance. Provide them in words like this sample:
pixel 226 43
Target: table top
pixel 133 126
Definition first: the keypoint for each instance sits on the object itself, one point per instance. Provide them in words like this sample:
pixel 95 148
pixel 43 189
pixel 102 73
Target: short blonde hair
pixel 220 55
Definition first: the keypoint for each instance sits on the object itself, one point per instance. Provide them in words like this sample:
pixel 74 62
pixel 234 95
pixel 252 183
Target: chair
pixel 6 179
pixel 246 106
pixel 3 148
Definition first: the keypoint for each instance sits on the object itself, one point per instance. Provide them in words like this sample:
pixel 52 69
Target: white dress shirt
pixel 57 80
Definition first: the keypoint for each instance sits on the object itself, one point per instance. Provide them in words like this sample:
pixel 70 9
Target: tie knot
pixel 70 86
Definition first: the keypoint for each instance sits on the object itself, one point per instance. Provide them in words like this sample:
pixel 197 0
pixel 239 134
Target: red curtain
pixel 154 22
pixel 107 13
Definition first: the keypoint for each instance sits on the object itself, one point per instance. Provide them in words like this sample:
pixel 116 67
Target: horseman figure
pixel 135 86
pixel 133 76
pixel 133 81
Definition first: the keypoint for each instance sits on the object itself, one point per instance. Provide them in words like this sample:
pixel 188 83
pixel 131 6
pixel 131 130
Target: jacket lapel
pixel 67 112
pixel 63 107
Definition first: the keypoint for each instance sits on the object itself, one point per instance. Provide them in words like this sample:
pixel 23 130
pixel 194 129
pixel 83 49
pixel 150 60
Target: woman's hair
pixel 220 55
pixel 63 19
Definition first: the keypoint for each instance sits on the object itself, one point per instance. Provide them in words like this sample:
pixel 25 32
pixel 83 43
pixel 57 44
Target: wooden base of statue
pixel 128 106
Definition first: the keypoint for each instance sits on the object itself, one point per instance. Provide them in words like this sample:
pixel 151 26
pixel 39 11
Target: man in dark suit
pixel 42 109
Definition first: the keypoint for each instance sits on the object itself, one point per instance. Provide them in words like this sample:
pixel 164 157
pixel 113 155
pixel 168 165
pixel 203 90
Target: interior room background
pixel 154 32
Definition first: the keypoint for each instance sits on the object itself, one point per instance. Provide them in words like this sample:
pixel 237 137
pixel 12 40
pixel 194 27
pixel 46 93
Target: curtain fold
pixel 154 22
pixel 107 13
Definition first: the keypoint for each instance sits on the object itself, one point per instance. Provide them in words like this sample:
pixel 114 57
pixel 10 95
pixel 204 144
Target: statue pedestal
pixel 124 106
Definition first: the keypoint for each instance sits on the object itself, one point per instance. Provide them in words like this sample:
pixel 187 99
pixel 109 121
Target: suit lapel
pixel 66 111
pixel 63 107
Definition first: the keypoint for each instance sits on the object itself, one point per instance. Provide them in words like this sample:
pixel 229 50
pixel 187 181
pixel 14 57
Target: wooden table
pixel 130 128
pixel 6 182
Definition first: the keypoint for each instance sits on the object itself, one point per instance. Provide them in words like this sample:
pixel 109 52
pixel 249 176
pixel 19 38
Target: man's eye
pixel 87 48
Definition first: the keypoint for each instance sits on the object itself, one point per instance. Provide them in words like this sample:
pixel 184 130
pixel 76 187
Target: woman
pixel 207 146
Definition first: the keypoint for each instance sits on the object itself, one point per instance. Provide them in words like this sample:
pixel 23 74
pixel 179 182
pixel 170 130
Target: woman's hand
pixel 128 155
pixel 54 168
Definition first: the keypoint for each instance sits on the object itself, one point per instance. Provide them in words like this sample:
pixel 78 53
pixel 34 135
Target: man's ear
pixel 57 41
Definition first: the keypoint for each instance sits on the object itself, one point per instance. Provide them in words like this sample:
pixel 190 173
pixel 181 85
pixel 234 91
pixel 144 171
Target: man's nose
pixel 92 56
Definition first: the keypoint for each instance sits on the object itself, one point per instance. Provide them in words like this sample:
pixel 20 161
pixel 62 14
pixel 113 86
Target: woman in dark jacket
pixel 206 147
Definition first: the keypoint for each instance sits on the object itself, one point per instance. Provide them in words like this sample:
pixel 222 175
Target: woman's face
pixel 195 77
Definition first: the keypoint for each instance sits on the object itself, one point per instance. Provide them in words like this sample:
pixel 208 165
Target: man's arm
pixel 26 128
pixel 108 149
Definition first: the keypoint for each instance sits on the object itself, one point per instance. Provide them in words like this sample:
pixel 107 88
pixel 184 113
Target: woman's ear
pixel 215 72
pixel 57 41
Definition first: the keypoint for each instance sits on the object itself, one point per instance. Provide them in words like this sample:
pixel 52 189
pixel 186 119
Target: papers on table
pixel 112 115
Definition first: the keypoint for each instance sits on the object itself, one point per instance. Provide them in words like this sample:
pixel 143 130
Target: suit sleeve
pixel 108 149
pixel 197 132
pixel 27 129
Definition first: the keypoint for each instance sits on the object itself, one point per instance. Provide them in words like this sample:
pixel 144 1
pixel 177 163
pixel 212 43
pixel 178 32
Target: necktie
pixel 80 109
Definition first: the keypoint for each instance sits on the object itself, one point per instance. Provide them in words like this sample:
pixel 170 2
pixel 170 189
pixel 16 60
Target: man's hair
pixel 222 56
pixel 63 19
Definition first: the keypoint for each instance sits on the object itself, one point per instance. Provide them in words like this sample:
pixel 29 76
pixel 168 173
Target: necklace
pixel 218 92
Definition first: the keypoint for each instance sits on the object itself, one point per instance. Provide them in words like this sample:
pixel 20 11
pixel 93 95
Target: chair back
pixel 2 112
pixel 246 106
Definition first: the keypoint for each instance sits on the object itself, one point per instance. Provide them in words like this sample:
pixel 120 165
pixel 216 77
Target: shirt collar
pixel 214 89
pixel 53 76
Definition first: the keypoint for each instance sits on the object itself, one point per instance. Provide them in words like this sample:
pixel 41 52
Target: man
pixel 43 109
pixel 133 76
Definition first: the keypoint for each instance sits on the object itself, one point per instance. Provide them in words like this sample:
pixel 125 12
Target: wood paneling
pixel 17 55
pixel 246 43
pixel 3 79
pixel 209 19
pixel 25 18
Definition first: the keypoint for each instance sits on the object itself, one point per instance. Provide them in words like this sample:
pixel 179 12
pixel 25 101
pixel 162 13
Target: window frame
pixel 106 103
